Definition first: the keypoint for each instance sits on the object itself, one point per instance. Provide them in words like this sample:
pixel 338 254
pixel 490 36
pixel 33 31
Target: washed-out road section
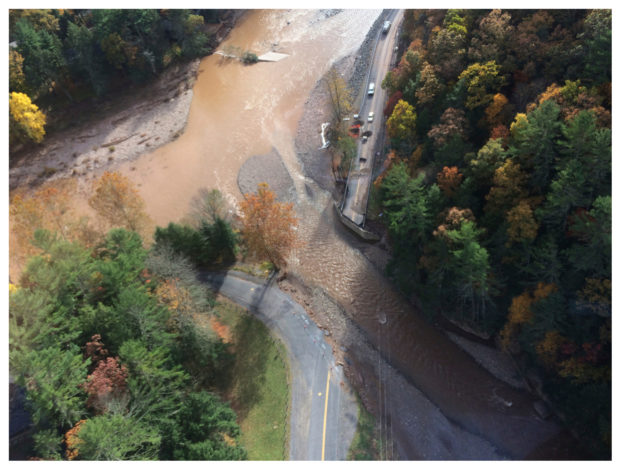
pixel 323 408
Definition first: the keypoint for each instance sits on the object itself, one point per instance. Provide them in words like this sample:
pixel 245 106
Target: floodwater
pixel 239 111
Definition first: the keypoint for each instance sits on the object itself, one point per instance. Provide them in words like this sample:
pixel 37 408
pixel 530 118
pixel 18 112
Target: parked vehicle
pixel 371 116
pixel 371 88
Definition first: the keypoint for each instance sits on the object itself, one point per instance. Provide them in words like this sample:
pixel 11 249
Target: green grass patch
pixel 258 387
pixel 364 445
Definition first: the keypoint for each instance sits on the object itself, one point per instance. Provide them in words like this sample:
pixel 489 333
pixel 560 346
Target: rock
pixel 542 409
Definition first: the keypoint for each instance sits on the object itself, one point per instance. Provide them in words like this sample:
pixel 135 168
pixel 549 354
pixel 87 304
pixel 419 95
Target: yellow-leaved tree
pixel 117 202
pixel 268 225
pixel 26 121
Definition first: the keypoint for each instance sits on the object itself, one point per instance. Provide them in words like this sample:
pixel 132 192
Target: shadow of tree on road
pixel 252 356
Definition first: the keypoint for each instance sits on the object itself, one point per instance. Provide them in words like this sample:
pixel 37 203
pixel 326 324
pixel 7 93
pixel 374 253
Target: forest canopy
pixel 497 195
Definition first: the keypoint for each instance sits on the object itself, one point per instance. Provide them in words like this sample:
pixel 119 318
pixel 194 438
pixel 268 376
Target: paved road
pixel 323 410
pixel 360 179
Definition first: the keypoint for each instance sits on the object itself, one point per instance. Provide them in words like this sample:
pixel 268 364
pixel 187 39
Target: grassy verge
pixel 259 384
pixel 364 445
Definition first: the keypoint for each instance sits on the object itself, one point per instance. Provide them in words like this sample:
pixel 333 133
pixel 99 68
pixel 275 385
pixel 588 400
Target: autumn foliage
pixel 72 441
pixel 268 225
pixel 49 208
pixel 449 180
pixel 116 200
pixel 26 122
pixel 108 381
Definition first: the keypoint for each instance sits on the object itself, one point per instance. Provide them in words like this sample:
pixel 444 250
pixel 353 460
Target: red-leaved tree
pixel 107 382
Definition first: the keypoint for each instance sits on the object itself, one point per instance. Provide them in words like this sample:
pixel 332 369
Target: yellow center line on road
pixel 325 419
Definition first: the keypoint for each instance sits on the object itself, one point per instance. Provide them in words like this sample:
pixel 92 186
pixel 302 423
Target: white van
pixel 371 88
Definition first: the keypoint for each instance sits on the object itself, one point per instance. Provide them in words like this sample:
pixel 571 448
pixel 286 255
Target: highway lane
pixel 360 178
pixel 323 409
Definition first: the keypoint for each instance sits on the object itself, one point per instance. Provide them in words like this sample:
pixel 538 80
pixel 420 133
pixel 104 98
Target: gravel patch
pixel 268 169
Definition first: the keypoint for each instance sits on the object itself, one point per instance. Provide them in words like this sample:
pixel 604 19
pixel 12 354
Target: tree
pixel 116 437
pixel 449 180
pixel 405 205
pixel 592 253
pixel 107 382
pixel 494 112
pixel 535 144
pixel 489 158
pixel 49 207
pixel 447 50
pixel 509 187
pixel 339 93
pixel 401 124
pixel 117 201
pixel 44 62
pixel 204 429
pixel 598 45
pixel 85 58
pixel 590 146
pixel 522 223
pixel 490 39
pixel 482 80
pixel 428 85
pixel 268 226
pixel 195 42
pixel 53 289
pixel 52 378
pixel 17 79
pixel 118 52
pixel 452 123
pixel 469 266
pixel 40 19
pixel 155 382
pixel 26 122
pixel 210 243
pixel 392 102
pixel 208 206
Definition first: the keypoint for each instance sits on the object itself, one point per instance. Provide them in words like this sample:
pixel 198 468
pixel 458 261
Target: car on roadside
pixel 371 88
pixel 371 116
pixel 386 27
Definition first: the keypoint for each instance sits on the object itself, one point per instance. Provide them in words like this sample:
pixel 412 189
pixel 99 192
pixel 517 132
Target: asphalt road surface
pixel 323 409
pixel 360 178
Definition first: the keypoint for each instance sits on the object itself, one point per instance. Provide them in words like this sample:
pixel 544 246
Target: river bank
pixel 124 128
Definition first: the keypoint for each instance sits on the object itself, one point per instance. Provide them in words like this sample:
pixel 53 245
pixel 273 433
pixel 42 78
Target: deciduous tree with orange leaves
pixel 268 225
pixel 117 202
pixel 449 180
